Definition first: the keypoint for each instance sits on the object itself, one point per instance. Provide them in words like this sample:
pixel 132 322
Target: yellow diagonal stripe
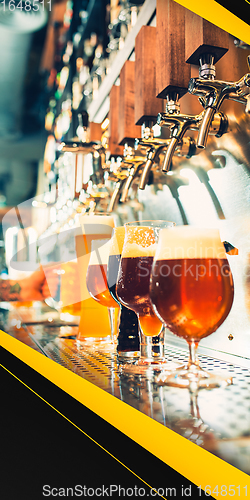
pixel 193 462
pixel 79 429
pixel 220 16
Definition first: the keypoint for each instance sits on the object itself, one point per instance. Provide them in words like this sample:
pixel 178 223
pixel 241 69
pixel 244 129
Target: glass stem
pixel 152 348
pixel 193 358
pixel 194 408
pixel 111 311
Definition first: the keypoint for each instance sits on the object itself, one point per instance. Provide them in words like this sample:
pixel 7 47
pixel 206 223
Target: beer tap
pixel 153 145
pixel 133 172
pixel 180 123
pixel 129 169
pixel 211 94
pixel 116 194
pixel 80 143
pixel 123 132
pixel 120 175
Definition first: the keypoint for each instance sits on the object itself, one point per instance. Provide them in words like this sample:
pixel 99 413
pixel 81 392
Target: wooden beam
pixel 172 72
pixel 147 106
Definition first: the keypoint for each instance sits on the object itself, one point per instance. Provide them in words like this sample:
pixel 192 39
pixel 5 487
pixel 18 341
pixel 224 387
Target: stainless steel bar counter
pixel 217 419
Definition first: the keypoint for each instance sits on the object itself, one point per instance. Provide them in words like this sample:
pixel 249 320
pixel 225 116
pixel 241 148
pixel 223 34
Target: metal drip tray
pixel 218 420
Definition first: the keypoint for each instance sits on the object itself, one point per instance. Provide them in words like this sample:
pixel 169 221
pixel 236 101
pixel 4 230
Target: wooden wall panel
pixel 172 72
pixel 147 106
pixel 203 36
pixel 127 128
pixel 95 131
pixel 114 148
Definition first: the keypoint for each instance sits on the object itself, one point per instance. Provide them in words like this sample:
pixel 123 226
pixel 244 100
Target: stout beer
pixel 134 277
pixel 128 336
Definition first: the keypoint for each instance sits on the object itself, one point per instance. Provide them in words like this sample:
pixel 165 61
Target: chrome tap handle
pixel 132 174
pixel 169 155
pixel 243 86
pixel 212 93
pixel 247 108
pixel 152 154
pixel 148 165
pixel 126 188
pixel 115 195
pixel 179 124
pixel 204 128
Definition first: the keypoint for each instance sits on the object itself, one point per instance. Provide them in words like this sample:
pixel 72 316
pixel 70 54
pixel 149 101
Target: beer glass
pixel 128 344
pixel 192 292
pixel 96 279
pixel 133 289
pixel 94 320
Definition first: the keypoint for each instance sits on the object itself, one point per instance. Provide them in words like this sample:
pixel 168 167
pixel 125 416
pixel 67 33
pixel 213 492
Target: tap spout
pixel 169 154
pixel 126 188
pixel 133 172
pixel 178 124
pixel 156 147
pixel 145 173
pixel 211 94
pixel 115 196
pixel 204 128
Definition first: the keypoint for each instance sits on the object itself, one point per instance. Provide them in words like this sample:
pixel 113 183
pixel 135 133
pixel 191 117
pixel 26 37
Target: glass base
pixel 193 378
pixel 128 355
pixel 143 365
pixel 103 343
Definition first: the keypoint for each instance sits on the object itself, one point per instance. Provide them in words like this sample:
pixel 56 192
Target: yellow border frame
pixel 193 462
pixel 221 17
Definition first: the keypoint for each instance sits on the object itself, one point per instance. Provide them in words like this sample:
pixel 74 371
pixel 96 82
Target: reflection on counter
pixel 224 431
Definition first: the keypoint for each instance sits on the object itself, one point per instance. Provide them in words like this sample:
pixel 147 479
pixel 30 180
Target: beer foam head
pixel 99 252
pixel 187 242
pixel 97 224
pixel 117 240
pixel 139 241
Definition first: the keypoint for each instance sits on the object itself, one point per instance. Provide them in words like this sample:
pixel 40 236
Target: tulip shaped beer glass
pixel 133 288
pixel 192 292
pixel 96 279
pixel 94 320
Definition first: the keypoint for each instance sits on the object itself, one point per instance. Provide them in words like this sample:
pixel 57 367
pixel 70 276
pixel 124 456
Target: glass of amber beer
pixel 96 280
pixel 133 289
pixel 94 320
pixel 192 292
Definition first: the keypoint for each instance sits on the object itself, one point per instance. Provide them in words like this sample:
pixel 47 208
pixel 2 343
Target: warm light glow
pixel 105 124
pixel 39 204
pixel 156 130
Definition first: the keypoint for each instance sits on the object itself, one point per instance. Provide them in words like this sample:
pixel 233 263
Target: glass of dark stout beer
pixel 128 343
pixel 192 292
pixel 96 280
pixel 132 290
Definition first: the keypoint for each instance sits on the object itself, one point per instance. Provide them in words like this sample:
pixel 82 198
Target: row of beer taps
pixel 139 157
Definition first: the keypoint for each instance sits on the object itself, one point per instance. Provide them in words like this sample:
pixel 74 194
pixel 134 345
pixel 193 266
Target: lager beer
pixel 192 292
pixel 97 274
